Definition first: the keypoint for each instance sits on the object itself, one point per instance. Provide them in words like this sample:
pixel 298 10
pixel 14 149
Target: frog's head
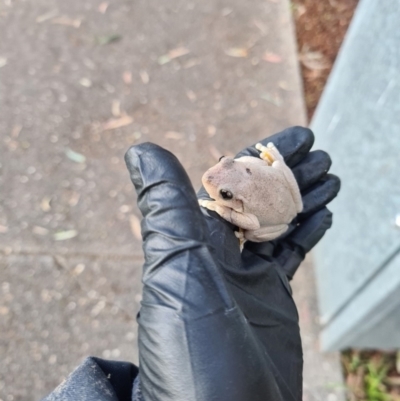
pixel 224 182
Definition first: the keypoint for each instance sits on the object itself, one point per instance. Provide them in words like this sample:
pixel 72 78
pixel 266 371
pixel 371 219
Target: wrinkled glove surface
pixel 215 323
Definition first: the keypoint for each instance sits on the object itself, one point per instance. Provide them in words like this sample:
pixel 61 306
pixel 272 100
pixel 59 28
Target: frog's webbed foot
pixel 240 234
pixel 246 221
pixel 269 153
pixel 208 204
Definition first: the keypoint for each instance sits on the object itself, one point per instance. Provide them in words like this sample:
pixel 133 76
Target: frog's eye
pixel 221 158
pixel 226 194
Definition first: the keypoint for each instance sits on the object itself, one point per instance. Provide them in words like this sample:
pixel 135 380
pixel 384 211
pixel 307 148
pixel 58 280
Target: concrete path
pixel 81 81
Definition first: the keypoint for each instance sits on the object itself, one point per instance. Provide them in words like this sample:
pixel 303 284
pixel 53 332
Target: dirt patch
pixel 320 27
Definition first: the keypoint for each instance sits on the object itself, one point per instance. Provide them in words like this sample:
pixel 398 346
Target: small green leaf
pixel 75 156
pixel 107 39
pixel 274 99
pixel 64 235
pixel 164 59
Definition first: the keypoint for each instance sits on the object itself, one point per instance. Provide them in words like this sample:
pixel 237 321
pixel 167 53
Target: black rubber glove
pixel 216 324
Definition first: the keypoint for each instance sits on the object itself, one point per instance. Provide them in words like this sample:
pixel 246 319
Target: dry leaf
pixel 47 16
pixel 272 58
pixel 16 131
pixel 285 86
pixel 115 123
pixel 40 230
pixel 45 204
pixel 237 52
pixel 393 381
pixel 191 95
pixel 178 52
pixel 314 60
pixel 144 76
pixel 300 10
pixel 211 131
pixel 163 59
pixel 75 23
pixel 398 362
pixel 261 26
pixel 3 62
pixel 174 53
pixel 3 229
pixel 173 135
pixel 78 269
pixel 74 199
pixel 226 11
pixel 64 235
pixel 135 227
pixel 191 63
pixel 107 39
pixel 103 7
pixel 75 156
pixel 86 82
pixel 116 108
pixel 272 98
pixel 310 75
pixel 127 77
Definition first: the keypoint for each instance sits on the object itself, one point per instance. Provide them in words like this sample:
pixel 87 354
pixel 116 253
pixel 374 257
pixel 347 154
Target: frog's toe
pixel 239 234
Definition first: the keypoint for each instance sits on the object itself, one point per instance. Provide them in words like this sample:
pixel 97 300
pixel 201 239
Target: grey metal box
pixel 358 123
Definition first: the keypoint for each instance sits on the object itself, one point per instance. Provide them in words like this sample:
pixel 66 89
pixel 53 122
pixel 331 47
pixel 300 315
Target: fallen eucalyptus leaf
pixel 103 7
pixel 314 60
pixel 274 99
pixel 47 16
pixel 115 123
pixel 272 58
pixel 75 23
pixel 107 39
pixel 173 135
pixel 75 156
pixel 127 77
pixel 172 54
pixel 3 229
pixel 237 52
pixel 45 204
pixel 144 76
pixel 40 230
pixel 86 82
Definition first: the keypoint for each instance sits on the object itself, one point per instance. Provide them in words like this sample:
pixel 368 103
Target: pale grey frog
pixel 258 195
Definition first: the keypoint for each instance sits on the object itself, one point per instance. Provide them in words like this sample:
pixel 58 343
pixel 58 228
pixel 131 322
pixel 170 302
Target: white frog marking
pixel 258 195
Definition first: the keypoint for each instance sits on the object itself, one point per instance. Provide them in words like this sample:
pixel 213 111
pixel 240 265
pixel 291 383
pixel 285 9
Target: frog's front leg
pixel 265 233
pixel 247 221
pixel 271 154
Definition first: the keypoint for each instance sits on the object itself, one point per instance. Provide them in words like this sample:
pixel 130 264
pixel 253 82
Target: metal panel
pixel 358 123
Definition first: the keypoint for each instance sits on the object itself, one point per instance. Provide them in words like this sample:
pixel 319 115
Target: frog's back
pixel 270 199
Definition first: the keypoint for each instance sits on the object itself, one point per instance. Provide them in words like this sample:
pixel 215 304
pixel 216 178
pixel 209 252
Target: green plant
pixel 375 376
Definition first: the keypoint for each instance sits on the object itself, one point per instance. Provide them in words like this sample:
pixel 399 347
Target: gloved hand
pixel 215 323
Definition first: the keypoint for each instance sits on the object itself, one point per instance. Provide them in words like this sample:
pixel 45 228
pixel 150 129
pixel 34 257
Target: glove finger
pixel 319 195
pixel 165 195
pixel 175 237
pixel 293 143
pixel 311 169
pixel 311 230
pixel 291 251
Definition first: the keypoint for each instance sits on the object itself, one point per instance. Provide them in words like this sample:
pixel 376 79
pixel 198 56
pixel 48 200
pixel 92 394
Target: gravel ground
pixel 81 81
